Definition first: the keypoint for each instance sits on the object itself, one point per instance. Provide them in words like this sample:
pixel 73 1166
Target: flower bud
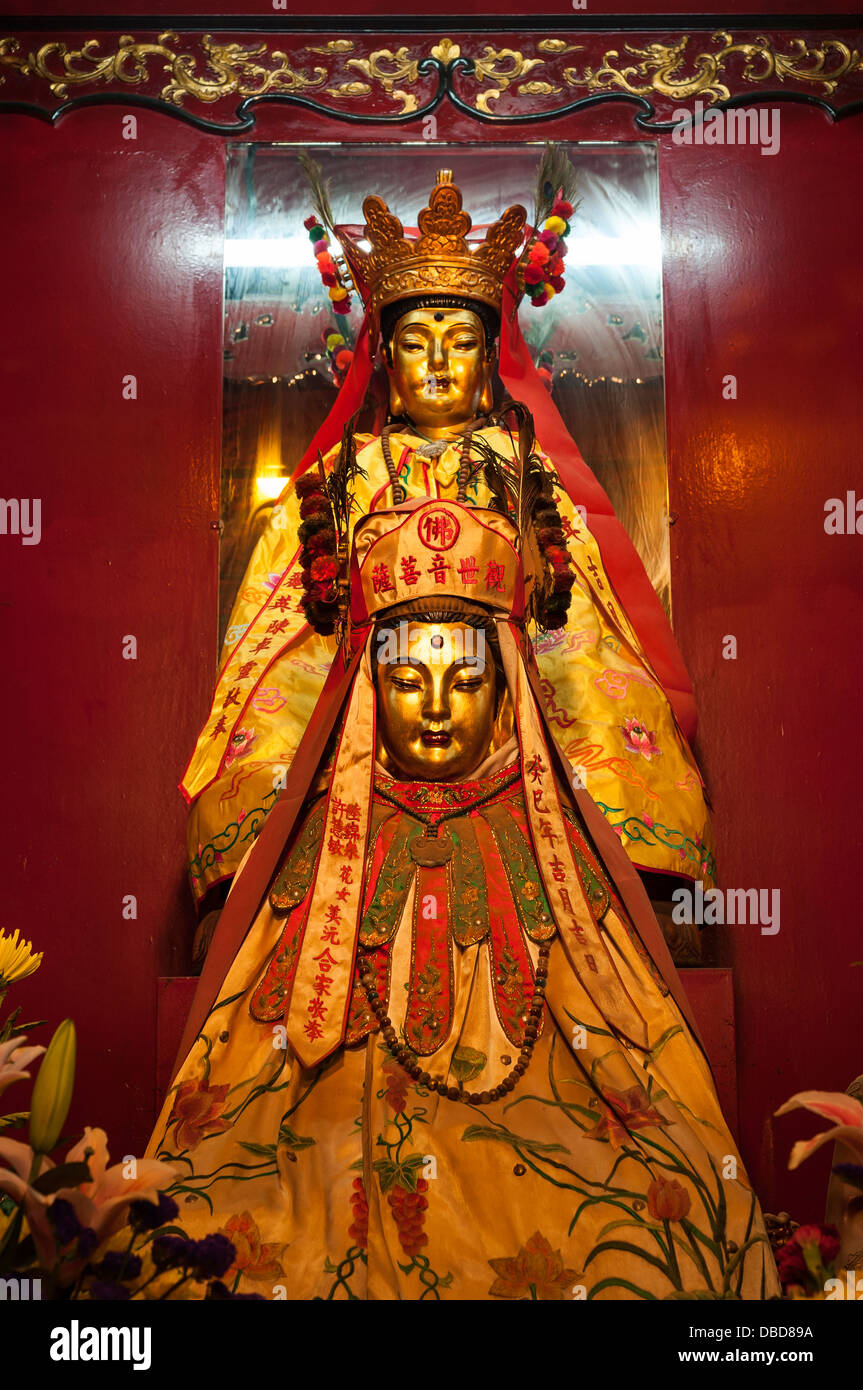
pixel 52 1092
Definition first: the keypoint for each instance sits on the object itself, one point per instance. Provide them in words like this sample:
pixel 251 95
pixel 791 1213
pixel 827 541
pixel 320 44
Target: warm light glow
pixel 268 486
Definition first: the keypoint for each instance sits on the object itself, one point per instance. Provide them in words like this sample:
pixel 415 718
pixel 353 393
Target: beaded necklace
pixel 431 449
pixel 436 850
pixel 406 1059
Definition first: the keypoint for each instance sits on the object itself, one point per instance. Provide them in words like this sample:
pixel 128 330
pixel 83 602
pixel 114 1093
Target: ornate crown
pixel 440 260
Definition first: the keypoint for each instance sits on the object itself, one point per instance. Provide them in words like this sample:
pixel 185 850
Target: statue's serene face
pixel 436 704
pixel 439 368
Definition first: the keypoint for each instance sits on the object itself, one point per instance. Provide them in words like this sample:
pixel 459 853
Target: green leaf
pixel 696 1295
pixel 505 1136
pixel 18 1117
pixel 654 1052
pixel 387 1172
pixel 64 1175
pixel 588 1027
pixel 739 1255
pixel 290 1140
pixel 620 1284
pixel 13 1029
pixel 625 1248
pixel 629 1221
pixel 467 1063
pixel 267 1151
pixel 410 1171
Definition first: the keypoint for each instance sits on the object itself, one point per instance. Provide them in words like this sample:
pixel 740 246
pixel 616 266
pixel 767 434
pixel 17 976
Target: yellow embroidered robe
pixel 607 1173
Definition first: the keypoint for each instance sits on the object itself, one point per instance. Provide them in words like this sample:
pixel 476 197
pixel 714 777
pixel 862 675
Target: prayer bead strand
pixel 405 1057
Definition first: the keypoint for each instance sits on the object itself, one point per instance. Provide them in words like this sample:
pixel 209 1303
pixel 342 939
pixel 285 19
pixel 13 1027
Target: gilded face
pixel 436 703
pixel 439 367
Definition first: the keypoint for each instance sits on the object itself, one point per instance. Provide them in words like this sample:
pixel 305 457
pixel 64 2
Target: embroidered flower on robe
pixel 255 1259
pixel 241 744
pixel 638 739
pixel 198 1112
pixel 624 1112
pixel 536 1272
pixel 668 1200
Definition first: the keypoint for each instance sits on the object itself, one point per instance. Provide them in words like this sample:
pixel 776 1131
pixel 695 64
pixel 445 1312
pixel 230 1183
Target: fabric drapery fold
pixel 619 556
pixel 251 885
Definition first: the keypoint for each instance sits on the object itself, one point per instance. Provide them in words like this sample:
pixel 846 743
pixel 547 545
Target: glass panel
pixel 603 333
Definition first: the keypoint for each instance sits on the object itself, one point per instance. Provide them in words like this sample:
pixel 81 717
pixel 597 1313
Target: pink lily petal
pixel 12 1051
pixel 14 1059
pixel 830 1105
pixel 102 1203
pixel 851 1137
pixel 20 1158
pixel 36 1211
pixel 97 1160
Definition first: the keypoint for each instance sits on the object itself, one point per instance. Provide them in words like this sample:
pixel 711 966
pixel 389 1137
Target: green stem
pixel 174 1287
pixel 674 1267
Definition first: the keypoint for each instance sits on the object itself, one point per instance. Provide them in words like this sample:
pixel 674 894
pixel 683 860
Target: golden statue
pixel 443 306
pixel 439 1049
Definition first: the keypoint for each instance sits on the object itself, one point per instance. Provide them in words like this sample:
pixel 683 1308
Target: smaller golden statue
pixel 439 1049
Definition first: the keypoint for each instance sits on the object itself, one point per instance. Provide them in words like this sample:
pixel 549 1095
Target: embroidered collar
pixel 439 798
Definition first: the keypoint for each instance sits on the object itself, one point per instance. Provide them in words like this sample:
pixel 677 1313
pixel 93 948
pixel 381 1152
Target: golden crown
pixel 440 260
pixel 435 550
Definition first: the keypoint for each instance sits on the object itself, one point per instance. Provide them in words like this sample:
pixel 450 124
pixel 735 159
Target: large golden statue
pixel 439 1048
pixel 443 306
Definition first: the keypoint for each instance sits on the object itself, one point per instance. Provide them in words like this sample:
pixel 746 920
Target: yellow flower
pixel 17 959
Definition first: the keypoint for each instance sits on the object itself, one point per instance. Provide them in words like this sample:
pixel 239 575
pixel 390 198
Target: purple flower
pixel 87 1242
pixel 64 1219
pixel 172 1252
pixel 851 1172
pixel 213 1256
pixel 147 1216
pixel 218 1291
pixel 104 1291
pixel 114 1264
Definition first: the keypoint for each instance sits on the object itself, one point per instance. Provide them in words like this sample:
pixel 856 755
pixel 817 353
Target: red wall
pixel 763 281
pixel 113 265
